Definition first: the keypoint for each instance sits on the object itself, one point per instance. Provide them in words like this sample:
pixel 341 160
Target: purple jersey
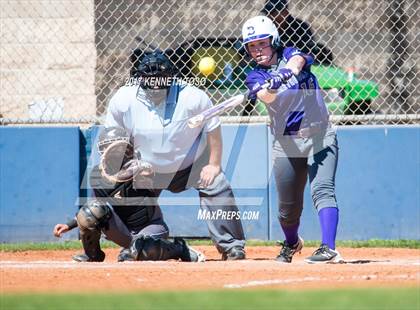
pixel 299 103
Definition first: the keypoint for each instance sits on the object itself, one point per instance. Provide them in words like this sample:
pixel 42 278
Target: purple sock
pixel 328 218
pixel 291 233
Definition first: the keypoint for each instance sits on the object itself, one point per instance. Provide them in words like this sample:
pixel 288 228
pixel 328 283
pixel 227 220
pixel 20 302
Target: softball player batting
pixel 304 142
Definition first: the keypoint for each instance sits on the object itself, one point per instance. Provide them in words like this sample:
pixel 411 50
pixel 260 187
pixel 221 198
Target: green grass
pixel 40 246
pixel 228 299
pixel 74 245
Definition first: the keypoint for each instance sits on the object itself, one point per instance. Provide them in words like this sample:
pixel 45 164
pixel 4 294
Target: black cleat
pixel 83 258
pixel 324 255
pixel 287 251
pixel 125 256
pixel 235 253
pixel 189 254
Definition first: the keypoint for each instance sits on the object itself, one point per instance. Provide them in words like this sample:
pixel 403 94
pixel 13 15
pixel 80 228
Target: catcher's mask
pixel 155 71
pixel 109 135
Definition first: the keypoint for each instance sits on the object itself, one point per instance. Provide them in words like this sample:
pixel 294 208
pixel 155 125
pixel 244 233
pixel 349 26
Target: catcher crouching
pixel 128 216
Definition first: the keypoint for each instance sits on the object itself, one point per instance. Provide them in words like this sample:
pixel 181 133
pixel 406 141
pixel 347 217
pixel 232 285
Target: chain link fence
pixel 61 61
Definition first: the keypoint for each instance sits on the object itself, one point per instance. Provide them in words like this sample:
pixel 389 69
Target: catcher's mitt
pixel 120 164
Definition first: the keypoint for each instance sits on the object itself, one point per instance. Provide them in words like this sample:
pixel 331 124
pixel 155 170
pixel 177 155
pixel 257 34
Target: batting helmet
pixel 109 135
pixel 260 27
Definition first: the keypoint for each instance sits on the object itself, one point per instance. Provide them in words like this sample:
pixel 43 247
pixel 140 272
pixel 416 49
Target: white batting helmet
pixel 260 27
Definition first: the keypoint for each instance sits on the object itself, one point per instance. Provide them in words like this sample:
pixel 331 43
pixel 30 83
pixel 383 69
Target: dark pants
pixel 136 210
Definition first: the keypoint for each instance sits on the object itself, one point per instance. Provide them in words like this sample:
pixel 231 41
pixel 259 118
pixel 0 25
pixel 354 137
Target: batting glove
pixel 280 77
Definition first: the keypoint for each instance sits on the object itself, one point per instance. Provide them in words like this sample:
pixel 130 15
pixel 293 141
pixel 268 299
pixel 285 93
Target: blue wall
pixel 378 183
pixel 39 181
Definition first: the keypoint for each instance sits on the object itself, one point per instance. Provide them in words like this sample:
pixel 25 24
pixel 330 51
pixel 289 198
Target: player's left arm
pixel 212 129
pixel 296 61
pixel 296 64
pixel 212 170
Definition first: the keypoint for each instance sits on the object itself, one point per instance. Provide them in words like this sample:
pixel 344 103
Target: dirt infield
pixel 53 271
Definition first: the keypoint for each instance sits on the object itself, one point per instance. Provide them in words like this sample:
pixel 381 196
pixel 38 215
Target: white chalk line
pixel 257 283
pixel 271 282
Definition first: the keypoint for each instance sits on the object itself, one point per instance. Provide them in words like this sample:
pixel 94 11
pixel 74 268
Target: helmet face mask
pixel 258 28
pixel 155 71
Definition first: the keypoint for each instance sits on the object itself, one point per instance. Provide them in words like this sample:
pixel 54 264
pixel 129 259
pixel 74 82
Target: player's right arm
pixel 115 111
pixel 60 229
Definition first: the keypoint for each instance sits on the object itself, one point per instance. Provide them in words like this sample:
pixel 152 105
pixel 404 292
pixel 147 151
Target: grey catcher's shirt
pixel 160 131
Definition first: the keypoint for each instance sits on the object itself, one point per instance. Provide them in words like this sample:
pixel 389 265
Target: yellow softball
pixel 207 65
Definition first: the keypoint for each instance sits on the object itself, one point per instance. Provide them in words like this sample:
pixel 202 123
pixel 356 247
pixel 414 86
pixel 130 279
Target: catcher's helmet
pixel 260 27
pixel 109 135
pixel 156 65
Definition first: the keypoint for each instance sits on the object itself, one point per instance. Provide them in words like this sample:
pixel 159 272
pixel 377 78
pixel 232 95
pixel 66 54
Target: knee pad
pixel 94 215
